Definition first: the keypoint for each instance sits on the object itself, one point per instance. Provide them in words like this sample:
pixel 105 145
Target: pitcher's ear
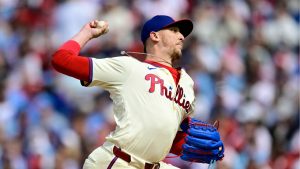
pixel 154 36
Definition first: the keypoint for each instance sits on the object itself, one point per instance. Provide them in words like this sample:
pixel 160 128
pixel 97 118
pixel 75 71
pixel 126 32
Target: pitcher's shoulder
pixel 186 76
pixel 128 59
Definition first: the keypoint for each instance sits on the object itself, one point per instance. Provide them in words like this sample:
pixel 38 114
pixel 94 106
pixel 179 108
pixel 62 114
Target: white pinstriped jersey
pixel 148 106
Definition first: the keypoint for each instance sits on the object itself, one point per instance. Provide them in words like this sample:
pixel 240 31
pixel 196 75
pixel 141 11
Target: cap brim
pixel 185 26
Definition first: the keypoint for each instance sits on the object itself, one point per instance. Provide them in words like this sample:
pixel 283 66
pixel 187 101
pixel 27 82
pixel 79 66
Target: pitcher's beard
pixel 176 55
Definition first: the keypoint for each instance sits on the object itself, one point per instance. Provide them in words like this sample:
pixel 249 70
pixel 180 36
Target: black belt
pixel 126 157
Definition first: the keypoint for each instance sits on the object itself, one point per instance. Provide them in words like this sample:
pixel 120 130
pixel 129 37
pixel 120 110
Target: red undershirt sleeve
pixel 66 60
pixel 180 138
pixel 178 142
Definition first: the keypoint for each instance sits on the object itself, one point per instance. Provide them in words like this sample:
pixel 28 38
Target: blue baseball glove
pixel 203 143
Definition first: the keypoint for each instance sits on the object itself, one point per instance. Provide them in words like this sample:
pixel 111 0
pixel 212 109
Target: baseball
pixel 100 24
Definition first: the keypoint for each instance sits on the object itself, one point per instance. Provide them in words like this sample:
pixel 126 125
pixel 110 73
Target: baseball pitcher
pixel 152 99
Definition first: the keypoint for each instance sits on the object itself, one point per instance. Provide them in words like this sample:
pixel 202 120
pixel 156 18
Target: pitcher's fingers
pixel 93 24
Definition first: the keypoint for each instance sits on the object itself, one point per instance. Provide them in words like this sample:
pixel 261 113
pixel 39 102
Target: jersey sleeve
pixel 109 72
pixel 191 93
pixel 66 60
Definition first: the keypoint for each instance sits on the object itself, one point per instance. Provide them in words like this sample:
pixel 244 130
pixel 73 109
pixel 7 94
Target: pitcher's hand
pixel 97 28
pixel 89 31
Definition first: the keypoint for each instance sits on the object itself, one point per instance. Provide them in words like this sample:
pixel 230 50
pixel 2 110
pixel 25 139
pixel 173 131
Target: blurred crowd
pixel 242 54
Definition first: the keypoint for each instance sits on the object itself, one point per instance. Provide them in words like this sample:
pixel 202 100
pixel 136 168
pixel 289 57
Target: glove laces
pixel 212 164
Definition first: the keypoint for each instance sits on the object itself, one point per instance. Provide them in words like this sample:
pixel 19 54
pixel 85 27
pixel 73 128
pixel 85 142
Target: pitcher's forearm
pixel 82 37
pixel 90 31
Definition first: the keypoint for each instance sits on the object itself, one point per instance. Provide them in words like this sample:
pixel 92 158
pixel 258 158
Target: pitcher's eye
pixel 174 29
